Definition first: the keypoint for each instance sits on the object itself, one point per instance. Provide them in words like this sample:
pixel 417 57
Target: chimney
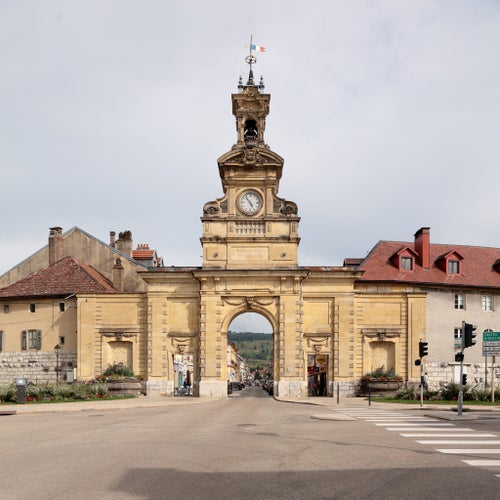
pixel 118 275
pixel 56 245
pixel 423 246
pixel 112 235
pixel 124 243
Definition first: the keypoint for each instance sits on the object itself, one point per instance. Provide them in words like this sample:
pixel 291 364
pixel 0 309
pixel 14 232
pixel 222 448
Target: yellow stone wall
pixel 320 312
pixel 109 323
pixel 48 318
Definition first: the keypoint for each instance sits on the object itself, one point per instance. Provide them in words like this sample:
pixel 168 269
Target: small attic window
pixel 453 267
pixel 406 263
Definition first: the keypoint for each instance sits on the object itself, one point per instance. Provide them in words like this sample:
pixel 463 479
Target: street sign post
pixel 491 347
pixel 491 336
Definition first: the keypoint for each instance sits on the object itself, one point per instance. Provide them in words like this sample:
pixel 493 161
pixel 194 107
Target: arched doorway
pixel 250 351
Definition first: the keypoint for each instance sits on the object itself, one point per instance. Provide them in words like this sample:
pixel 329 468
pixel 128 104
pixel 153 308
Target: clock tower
pixel 250 226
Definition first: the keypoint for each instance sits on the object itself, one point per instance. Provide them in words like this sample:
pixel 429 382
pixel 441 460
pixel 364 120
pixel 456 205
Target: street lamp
pixel 57 348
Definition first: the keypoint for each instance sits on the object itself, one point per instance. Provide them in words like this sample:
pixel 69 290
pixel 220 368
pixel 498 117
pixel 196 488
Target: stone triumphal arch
pixel 323 326
pixel 250 264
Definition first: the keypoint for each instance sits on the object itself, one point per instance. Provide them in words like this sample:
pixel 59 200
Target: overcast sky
pixel 113 114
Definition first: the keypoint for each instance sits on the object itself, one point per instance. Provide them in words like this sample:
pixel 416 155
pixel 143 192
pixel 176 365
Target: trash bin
pixel 21 390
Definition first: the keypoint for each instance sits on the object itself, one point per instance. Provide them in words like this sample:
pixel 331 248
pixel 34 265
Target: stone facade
pixel 37 367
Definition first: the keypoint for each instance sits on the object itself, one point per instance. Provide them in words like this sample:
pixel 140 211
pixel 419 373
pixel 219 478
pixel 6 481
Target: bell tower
pixel 250 226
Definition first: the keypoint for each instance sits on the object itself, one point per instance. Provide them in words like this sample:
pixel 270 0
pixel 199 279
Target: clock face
pixel 250 202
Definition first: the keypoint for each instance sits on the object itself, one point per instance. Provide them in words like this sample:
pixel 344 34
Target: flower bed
pixel 380 383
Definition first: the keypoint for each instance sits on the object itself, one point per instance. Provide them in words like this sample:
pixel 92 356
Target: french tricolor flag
pixel 258 48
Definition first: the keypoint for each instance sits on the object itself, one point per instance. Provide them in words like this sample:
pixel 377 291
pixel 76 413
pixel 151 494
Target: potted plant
pixel 380 381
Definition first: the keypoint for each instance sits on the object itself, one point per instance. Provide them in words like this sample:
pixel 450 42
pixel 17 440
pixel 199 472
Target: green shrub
pixel 8 393
pixel 118 370
pixel 450 392
pixel 382 374
pixel 407 392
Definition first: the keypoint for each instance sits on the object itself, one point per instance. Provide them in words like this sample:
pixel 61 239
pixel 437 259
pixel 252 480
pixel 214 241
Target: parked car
pixel 268 386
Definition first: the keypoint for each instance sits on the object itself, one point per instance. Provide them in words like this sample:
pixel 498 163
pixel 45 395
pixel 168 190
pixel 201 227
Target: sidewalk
pixel 163 401
pixel 360 402
pixel 100 405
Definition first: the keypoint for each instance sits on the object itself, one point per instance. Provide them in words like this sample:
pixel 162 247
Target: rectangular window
pixel 453 267
pixel 31 339
pixel 61 340
pixel 32 308
pixel 457 337
pixel 6 309
pixel 62 306
pixel 459 301
pixel 487 302
pixel 1 341
pixel 406 263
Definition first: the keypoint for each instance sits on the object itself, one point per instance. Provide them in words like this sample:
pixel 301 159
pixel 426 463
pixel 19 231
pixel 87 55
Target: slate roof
pixel 67 276
pixel 479 266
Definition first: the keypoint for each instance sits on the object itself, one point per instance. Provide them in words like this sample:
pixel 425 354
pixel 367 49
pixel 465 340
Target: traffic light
pixel 422 349
pixel 464 378
pixel 459 357
pixel 469 335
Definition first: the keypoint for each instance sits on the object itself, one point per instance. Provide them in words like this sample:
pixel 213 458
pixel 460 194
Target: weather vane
pixel 250 60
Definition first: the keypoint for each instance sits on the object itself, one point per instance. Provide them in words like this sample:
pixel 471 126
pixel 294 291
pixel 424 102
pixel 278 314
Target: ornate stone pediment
pixel 250 302
pixel 381 333
pixel 250 156
pixel 119 333
pixel 182 341
pixel 317 342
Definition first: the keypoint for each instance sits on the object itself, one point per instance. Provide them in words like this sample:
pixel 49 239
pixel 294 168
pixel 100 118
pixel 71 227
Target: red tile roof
pixel 67 276
pixel 476 268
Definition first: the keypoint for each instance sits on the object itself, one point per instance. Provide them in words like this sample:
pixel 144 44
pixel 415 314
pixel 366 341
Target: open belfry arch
pixel 325 330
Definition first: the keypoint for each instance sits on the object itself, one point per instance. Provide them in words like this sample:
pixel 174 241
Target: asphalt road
pixel 248 446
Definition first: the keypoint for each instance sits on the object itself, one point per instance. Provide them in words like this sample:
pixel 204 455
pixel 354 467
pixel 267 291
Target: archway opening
pixel 250 352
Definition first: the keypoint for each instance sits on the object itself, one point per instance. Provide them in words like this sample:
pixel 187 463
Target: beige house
pixel 38 302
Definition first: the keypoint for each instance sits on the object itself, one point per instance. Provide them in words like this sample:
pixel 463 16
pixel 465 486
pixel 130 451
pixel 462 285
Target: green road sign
pixel 491 336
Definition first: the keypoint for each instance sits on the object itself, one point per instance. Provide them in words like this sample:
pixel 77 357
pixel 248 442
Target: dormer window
pixel 404 259
pixel 406 263
pixel 449 263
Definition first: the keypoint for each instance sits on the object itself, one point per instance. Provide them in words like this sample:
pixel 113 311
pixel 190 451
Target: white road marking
pixel 432 434
pixel 415 424
pixel 409 419
pixel 468 451
pixel 483 463
pixel 399 429
pixel 458 441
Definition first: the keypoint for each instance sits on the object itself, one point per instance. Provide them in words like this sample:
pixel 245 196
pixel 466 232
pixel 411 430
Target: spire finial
pixel 251 60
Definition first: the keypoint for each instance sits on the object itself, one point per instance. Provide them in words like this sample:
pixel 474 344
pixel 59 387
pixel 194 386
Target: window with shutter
pixel 24 340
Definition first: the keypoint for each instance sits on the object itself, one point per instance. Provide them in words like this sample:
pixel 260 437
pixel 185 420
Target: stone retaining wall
pixel 444 373
pixel 37 367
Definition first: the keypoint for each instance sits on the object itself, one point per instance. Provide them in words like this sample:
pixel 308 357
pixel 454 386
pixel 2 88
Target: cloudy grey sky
pixel 113 114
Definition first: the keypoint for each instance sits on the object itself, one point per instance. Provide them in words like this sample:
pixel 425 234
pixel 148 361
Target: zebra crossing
pixel 436 433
